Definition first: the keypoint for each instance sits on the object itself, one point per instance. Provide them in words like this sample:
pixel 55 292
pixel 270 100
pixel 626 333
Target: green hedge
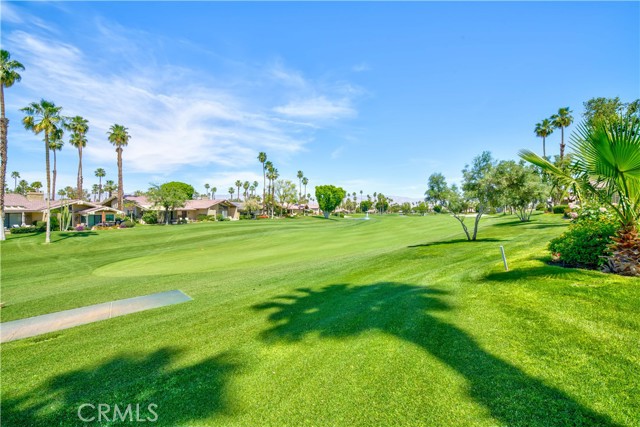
pixel 560 209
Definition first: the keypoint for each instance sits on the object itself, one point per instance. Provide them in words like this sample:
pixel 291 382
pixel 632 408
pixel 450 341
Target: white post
pixel 504 259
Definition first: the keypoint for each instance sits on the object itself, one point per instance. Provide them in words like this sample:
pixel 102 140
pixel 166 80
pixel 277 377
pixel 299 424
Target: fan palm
pixel 262 158
pixel 44 116
pixel 119 137
pixel 238 184
pixel 562 120
pixel 606 165
pixel 231 191
pixel 100 173
pixel 56 144
pixel 8 76
pixel 109 187
pixel 300 176
pixel 245 186
pixel 15 175
pixel 79 128
pixel 543 130
pixel 213 192
pixel 207 187
pixel 305 181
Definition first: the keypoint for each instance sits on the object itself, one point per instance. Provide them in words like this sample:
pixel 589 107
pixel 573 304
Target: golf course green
pixel 341 322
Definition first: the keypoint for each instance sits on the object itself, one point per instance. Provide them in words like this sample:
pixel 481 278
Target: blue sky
pixel 369 96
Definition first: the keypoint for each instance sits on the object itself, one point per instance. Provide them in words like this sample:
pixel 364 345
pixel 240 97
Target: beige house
pixel 136 205
pixel 300 209
pixel 26 210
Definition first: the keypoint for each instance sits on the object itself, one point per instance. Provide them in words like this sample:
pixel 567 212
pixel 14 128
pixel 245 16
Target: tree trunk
pixel 4 124
pixel 80 193
pixel 562 143
pixel 55 173
pixel 120 192
pixel 264 188
pixel 100 188
pixel 326 214
pixel 47 238
pixel 477 222
pixel 464 227
pixel 544 149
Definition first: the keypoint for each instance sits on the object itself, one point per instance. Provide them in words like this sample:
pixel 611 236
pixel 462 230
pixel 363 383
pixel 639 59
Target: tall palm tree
pixel 119 137
pixel 543 130
pixel 213 192
pixel 231 191
pixel 62 193
pixel 606 163
pixel 100 173
pixel 109 187
pixel 255 185
pixel 95 190
pixel 305 181
pixel 562 120
pixel 246 186
pixel 238 184
pixel 8 76
pixel 262 158
pixel 78 126
pixel 207 187
pixel 56 144
pixel 300 176
pixel 15 175
pixel 44 117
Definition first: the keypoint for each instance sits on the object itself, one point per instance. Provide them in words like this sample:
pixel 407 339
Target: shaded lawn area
pixel 392 321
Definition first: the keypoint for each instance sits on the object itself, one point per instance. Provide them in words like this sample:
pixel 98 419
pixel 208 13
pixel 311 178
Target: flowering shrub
pixel 80 228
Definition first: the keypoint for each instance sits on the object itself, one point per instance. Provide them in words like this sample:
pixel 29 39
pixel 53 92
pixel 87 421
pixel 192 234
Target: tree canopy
pixel 329 197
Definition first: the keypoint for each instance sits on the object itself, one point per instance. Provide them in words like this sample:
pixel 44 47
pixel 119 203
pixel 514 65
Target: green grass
pixel 392 321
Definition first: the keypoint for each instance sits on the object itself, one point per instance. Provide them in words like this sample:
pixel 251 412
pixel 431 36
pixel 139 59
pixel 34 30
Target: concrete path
pixel 32 326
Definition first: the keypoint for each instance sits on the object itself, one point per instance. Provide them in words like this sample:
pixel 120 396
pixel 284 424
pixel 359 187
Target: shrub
pixel 263 216
pixel 560 209
pixel 150 217
pixel 437 208
pixel 541 207
pixel 127 224
pixel 584 243
pixel 80 228
pixel 25 230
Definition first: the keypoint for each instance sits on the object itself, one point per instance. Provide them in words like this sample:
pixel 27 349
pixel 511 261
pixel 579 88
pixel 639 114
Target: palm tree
pixel 562 120
pixel 606 163
pixel 238 184
pixel 119 137
pixel 245 186
pixel 8 76
pixel 45 117
pixel 262 158
pixel 543 130
pixel 36 186
pixel 56 144
pixel 207 187
pixel 15 175
pixel 255 185
pixel 95 189
pixel 300 176
pixel 231 191
pixel 79 128
pixel 62 193
pixel 213 192
pixel 305 181
pixel 100 173
pixel 109 187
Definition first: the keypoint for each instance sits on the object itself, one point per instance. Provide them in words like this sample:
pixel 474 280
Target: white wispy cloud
pixel 361 67
pixel 318 107
pixel 175 117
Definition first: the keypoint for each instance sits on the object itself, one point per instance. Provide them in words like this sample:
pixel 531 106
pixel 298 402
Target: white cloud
pixel 337 152
pixel 361 67
pixel 318 107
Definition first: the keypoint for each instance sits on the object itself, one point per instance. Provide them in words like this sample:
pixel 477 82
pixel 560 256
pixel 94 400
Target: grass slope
pixel 392 321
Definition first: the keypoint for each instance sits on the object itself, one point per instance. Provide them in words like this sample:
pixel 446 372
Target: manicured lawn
pixel 392 321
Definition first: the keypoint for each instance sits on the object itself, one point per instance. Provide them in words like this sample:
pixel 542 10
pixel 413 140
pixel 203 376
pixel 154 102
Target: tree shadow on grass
pixel 72 235
pixel 182 395
pixel 454 241
pixel 405 311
